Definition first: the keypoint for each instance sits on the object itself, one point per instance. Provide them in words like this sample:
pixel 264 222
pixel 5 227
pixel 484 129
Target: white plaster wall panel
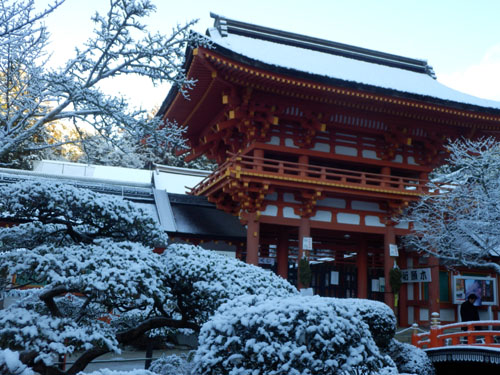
pixel 347 141
pixel 274 141
pixel 402 225
pixel 289 213
pixel 324 147
pixel 411 160
pixel 289 143
pixel 290 198
pixel 344 150
pixel 447 314
pixel 366 206
pixel 398 159
pixel 272 196
pixel 332 202
pixel 424 314
pixel 271 210
pixel 322 215
pixel 373 221
pixel 370 154
pixel 409 289
pixel 347 218
pixel 411 315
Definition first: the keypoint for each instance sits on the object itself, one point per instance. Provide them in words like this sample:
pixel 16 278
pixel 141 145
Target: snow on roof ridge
pixel 225 26
pixel 181 170
pixel 88 179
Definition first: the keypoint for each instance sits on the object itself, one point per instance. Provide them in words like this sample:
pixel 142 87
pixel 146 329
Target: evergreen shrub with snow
pixel 379 317
pixel 172 365
pixel 114 372
pixel 92 258
pixel 409 359
pixel 288 335
pixel 11 365
pixel 201 280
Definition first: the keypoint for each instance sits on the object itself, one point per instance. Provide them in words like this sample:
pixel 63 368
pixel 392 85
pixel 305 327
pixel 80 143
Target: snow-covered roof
pixel 161 192
pixel 172 179
pixel 336 61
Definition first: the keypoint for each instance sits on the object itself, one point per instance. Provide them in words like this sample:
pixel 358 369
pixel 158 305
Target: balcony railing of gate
pixel 244 165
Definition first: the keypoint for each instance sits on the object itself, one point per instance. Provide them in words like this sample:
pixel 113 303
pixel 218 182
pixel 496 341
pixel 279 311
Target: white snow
pixel 346 69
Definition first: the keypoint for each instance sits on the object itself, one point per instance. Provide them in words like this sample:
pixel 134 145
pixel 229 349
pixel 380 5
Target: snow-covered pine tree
pixel 92 257
pixel 101 286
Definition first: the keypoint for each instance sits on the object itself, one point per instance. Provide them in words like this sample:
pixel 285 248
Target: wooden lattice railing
pixel 241 165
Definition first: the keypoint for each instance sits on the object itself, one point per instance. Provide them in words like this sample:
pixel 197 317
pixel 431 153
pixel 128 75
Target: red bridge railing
pixel 477 333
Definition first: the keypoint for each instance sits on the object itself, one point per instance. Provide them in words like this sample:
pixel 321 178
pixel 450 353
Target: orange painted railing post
pixel 433 334
pixel 414 337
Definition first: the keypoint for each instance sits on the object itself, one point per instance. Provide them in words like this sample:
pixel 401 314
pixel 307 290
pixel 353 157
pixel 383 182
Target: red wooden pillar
pixel 304 162
pixel 434 286
pixel 283 255
pixel 253 229
pixel 362 265
pixel 386 171
pixel 259 156
pixel 389 238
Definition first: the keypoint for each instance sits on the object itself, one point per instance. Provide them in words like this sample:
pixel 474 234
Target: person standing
pixel 468 311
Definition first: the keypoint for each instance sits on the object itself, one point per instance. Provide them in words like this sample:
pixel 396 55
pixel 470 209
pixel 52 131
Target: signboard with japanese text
pixel 416 275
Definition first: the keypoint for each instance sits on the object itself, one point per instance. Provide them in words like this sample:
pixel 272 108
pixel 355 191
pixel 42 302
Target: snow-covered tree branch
pixel 32 96
pixel 458 220
pixel 100 284
pixel 92 258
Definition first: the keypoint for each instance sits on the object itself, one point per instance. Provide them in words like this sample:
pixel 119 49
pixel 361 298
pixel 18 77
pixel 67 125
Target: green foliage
pixel 305 274
pixel 395 280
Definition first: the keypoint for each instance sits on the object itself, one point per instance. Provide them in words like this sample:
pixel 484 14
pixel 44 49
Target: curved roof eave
pixel 175 89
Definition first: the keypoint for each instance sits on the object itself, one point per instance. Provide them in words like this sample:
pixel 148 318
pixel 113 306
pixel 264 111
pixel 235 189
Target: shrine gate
pixel 319 146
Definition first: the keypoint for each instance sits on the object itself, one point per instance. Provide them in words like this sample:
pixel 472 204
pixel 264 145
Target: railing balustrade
pixel 272 168
pixel 477 333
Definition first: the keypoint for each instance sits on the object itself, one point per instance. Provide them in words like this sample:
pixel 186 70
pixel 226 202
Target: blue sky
pixel 460 38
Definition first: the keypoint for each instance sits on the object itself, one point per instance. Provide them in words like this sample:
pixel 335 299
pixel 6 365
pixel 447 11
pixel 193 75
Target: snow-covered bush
pixel 109 276
pixel 172 365
pixel 288 335
pixel 202 280
pixel 11 365
pixel 59 213
pixel 92 278
pixel 409 359
pixel 113 372
pixel 379 317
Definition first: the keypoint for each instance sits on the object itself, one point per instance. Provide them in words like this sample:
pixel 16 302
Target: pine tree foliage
pixel 100 284
pixel 92 258
pixel 32 96
pixel 210 279
pixel 458 220
pixel 61 214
